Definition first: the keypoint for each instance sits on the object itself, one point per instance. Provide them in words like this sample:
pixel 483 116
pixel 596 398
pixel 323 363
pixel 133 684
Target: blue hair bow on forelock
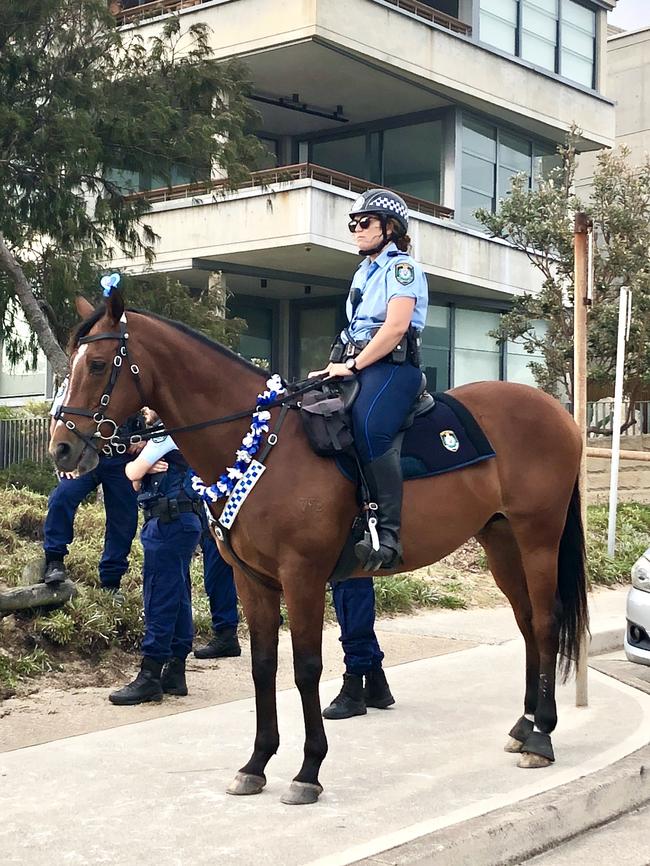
pixel 108 283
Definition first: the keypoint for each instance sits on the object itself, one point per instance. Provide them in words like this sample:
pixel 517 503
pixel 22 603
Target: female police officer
pixel 170 533
pixel 387 309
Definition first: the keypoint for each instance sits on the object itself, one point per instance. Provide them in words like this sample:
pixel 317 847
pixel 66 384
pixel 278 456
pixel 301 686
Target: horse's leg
pixel 504 560
pixel 262 611
pixel 538 542
pixel 305 606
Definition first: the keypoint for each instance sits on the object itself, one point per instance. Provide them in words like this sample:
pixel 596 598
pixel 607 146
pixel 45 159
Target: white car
pixel 637 633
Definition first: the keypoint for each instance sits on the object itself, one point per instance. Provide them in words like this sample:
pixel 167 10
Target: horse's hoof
pixel 530 761
pixel 301 794
pixel 513 745
pixel 245 783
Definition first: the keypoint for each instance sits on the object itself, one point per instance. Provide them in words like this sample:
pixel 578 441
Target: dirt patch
pixel 75 700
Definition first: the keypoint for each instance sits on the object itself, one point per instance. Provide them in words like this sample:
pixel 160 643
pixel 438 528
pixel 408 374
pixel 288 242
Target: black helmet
pixel 384 203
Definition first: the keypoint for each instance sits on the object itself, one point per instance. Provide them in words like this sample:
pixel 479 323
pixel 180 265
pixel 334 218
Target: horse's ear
pixel 84 307
pixel 114 306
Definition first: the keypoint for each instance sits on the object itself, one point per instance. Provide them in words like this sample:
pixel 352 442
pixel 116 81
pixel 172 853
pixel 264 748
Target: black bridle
pixel 120 443
pixel 112 441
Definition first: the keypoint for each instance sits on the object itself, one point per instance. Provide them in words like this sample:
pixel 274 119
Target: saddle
pixel 325 413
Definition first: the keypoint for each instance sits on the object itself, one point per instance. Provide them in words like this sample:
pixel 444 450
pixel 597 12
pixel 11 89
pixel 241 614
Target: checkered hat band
pixel 390 204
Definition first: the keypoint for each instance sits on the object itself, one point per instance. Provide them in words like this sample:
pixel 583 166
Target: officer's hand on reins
pixel 334 370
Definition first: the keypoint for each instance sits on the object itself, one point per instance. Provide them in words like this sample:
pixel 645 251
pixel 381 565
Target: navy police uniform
pixel 388 389
pixel 171 531
pixel 120 504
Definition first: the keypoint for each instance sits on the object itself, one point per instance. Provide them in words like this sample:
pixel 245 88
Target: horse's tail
pixel 572 587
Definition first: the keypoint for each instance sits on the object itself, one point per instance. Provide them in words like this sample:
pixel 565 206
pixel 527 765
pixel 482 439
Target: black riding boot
pixel 145 687
pixel 173 677
pixel 349 701
pixel 224 644
pixel 384 476
pixel 376 692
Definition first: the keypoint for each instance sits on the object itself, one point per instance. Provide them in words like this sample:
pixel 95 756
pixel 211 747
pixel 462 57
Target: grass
pixel 92 622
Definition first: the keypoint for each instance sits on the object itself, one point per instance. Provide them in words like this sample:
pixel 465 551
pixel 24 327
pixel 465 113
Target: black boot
pixel 54 572
pixel 384 476
pixel 145 687
pixel 173 677
pixel 376 692
pixel 223 645
pixel 349 701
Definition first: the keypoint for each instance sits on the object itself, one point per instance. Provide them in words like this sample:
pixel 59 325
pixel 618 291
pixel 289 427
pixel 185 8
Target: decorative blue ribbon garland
pixel 249 447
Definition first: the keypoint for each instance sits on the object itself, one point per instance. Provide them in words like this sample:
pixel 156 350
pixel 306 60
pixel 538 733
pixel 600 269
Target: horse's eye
pixel 97 366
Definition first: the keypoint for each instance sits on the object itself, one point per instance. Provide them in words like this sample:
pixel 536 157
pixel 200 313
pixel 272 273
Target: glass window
pixel 435 348
pixel 545 159
pixel 412 159
pixel 514 158
pixel 498 24
pixel 477 355
pixel 534 35
pixel 347 155
pixel 269 159
pixel 316 328
pixel 519 360
pixel 257 340
pixel 478 169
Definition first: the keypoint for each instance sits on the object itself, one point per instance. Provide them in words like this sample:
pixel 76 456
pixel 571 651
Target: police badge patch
pixel 450 440
pixel 404 273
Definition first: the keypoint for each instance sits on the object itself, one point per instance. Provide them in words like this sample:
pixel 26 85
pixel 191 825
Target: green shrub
pixel 38 477
pixel 632 539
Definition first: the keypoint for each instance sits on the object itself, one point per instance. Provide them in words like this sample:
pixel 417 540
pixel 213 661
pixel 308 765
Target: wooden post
pixel 581 303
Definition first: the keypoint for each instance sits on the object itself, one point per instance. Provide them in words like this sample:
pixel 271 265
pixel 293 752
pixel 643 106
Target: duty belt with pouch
pixel 408 348
pixel 167 510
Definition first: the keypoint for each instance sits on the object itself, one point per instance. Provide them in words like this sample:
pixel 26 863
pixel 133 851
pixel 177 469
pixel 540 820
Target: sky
pixel 630 14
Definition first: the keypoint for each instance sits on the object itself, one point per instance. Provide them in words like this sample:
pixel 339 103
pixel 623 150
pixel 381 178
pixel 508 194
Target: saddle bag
pixel 326 421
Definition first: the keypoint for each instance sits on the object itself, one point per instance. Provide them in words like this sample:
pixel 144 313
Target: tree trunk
pixel 33 313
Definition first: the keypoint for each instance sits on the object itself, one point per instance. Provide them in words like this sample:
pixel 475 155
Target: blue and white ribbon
pixel 249 446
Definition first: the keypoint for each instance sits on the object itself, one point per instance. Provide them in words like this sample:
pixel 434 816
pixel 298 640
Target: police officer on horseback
pixel 387 310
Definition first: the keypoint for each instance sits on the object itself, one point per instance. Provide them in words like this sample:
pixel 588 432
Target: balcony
pixel 290 225
pixel 414 56
pixel 135 13
pixel 284 174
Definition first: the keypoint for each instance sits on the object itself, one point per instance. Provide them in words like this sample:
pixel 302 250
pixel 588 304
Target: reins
pixel 121 442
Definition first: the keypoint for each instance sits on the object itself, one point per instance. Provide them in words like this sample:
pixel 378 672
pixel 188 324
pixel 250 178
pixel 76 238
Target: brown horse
pixel 523 507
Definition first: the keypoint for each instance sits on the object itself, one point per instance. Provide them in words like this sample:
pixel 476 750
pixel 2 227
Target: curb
pixel 514 834
pixel 607 641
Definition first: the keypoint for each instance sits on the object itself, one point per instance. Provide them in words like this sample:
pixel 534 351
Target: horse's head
pixel 104 386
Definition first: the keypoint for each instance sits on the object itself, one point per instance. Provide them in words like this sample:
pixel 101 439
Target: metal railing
pixel 422 10
pixel 23 439
pixel 142 11
pixel 135 14
pixel 287 174
pixel 600 416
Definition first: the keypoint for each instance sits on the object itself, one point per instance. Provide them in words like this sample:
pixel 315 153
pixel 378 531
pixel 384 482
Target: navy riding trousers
pixel 386 396
pixel 120 504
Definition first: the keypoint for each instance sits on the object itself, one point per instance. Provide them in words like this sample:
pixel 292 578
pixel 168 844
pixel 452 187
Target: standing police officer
pixel 169 536
pixel 387 310
pixel 120 504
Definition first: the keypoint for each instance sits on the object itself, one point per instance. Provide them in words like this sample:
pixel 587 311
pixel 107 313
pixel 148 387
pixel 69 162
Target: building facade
pixel 443 101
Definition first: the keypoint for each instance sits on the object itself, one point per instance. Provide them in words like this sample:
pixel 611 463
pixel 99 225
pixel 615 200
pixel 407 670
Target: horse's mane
pixel 85 327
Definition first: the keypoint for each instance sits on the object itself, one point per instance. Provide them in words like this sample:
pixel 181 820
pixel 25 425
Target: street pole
pixel 623 318
pixel 581 302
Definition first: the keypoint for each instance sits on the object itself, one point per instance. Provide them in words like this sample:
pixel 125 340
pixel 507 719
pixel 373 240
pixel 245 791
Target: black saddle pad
pixel 446 438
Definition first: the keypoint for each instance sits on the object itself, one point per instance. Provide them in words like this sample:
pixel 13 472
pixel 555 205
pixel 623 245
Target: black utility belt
pixel 402 352
pixel 167 510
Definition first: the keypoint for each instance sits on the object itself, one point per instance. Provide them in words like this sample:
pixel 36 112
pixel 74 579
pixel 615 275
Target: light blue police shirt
pixel 393 274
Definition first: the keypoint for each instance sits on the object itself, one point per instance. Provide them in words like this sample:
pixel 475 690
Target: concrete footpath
pixel 425 782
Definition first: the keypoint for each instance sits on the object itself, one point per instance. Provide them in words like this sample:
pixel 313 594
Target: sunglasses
pixel 362 223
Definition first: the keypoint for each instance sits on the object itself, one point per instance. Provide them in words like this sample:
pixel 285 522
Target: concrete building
pixel 442 100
